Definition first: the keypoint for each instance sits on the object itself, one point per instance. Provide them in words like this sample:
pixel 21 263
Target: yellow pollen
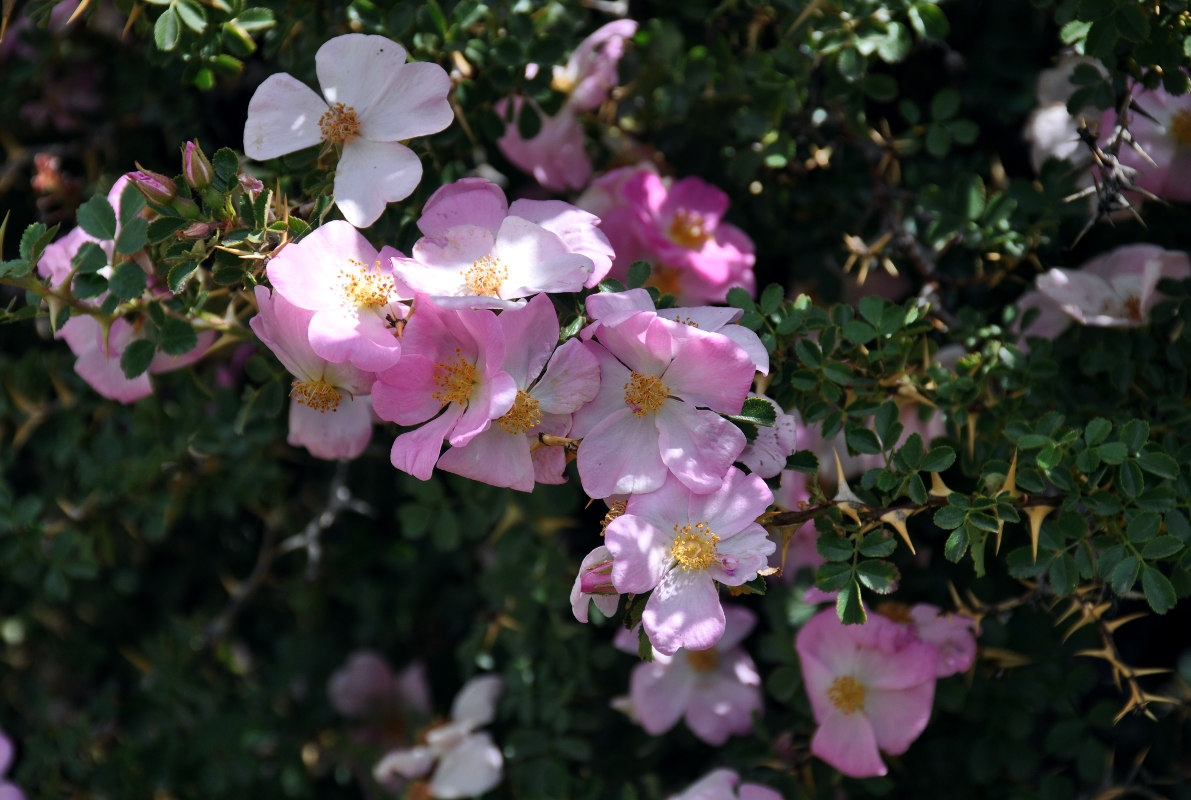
pixel 319 395
pixel 485 276
pixel 366 287
pixel 1180 126
pixel 455 379
pixel 615 510
pixel 703 660
pixel 523 416
pixel 846 694
pixel 688 229
pixel 694 546
pixel 645 394
pixel 339 124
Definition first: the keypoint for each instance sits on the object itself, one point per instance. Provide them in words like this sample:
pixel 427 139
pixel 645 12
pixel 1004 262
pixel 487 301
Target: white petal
pixel 354 69
pixel 469 770
pixel 371 175
pixel 476 701
pixel 283 117
pixel 413 104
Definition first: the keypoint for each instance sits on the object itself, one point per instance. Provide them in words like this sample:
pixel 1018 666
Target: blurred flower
pixel 155 187
pixel 1114 290
pixel 722 785
pixel 594 584
pixel 1166 139
pixel 870 686
pixel 374 101
pixel 1050 128
pixel 953 636
pixel 766 455
pixel 8 790
pixel 468 763
pixel 716 690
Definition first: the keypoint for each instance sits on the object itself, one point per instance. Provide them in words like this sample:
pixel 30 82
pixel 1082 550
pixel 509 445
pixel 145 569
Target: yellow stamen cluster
pixel 485 276
pixel 339 124
pixel 523 416
pixel 688 229
pixel 319 395
pixel 694 546
pixel 846 694
pixel 702 660
pixel 455 379
pixel 1180 126
pixel 366 287
pixel 645 394
pixel 687 321
pixel 615 510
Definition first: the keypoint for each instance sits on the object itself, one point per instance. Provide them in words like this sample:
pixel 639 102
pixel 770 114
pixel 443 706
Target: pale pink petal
pixel 755 791
pixel 641 553
pixel 415 452
pixel 596 566
pixel 556 157
pixel 490 400
pixel 476 702
pixel 576 228
pixel 310 273
pixel 605 304
pixel 847 742
pixel 283 117
pixel 495 457
pixel 468 201
pixel 1086 298
pixel 405 393
pixel 644 342
pixel 718 785
pixel 661 693
pixel 6 752
pixel 412 763
pixel 712 371
pixel 725 704
pixel 363 683
pixel 735 505
pixel 670 504
pixel 697 446
pixel 618 456
pixel 100 367
pixel 356 68
pixel 571 379
pixel 898 718
pixel 360 339
pixel 609 398
pixel 370 176
pixel 683 611
pixel 750 342
pixel 164 362
pixel 531 333
pixel 414 103
pixel 537 260
pixel 342 433
pixel 738 624
pixel 741 555
pixel 468 770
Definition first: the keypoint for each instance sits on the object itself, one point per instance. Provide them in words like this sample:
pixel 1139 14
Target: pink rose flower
pixel 679 544
pixel 1166 139
pixel 479 252
pixel 663 386
pixel 716 690
pixel 449 378
pixel 870 686
pixel 336 273
pixel 953 636
pixel 373 101
pixel 329 411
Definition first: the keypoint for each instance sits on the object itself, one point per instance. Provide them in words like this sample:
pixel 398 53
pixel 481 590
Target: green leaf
pixel 1161 547
pixel 1160 593
pixel 97 218
pixel 256 19
pixel 226 166
pixel 133 236
pixel 179 275
pixel 28 247
pixel 1101 39
pixel 1158 463
pixel 1064 574
pixel 1124 575
pixel 132 203
pixel 834 547
pixel 911 452
pixel 644 646
pixel 167 31
pixel 1178 526
pixel 877 545
pixel 758 411
pixel 136 357
pixel 808 353
pixel 944 105
pixel 739 298
pixel 1132 23
pixel 851 65
pixel 938 459
pixel 929 21
pixel 879 576
pixel 957 544
pixel 949 517
pixel 884 420
pixel 89 259
pixel 848 607
pixel 1097 431
pixel 89 285
pixel 1143 526
pixel 833 575
pixel 193 15
pixel 1130 479
pixel 128 281
pixel 1134 434
pixel 938 140
pixel 859 332
pixel 177 337
pixel 893 47
pixel 1033 441
pixel 638 274
pixel 771 298
pixel 862 440
pixel 1113 452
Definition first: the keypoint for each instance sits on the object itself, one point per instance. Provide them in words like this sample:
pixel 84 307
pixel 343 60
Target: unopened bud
pixel 198 230
pixel 196 166
pixel 251 184
pixel 156 187
pixel 598 579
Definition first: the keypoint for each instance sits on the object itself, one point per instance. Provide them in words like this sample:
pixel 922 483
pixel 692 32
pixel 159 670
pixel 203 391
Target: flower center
pixel 1133 307
pixel 688 229
pixel 846 694
pixel 703 660
pixel 319 395
pixel 366 287
pixel 339 124
pixel 455 379
pixel 645 394
pixel 898 612
pixel 1180 126
pixel 694 546
pixel 485 276
pixel 523 416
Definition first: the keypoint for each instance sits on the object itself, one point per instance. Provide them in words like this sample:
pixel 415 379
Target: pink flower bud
pixel 196 167
pixel 598 579
pixel 155 187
